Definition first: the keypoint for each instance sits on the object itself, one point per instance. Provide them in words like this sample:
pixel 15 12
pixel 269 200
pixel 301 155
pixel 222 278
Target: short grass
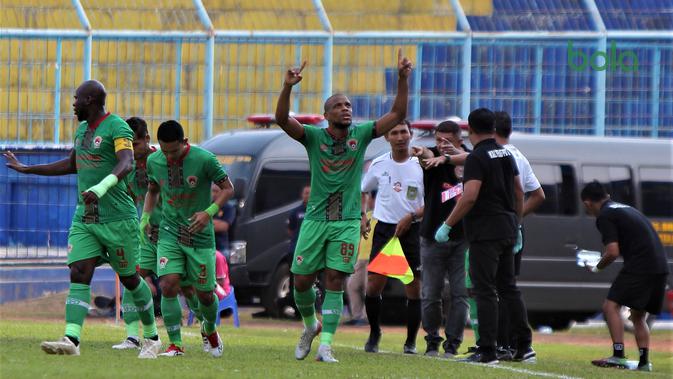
pixel 265 350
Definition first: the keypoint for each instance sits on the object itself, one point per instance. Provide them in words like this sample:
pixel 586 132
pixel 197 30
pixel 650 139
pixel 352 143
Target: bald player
pixel 105 225
pixel 334 220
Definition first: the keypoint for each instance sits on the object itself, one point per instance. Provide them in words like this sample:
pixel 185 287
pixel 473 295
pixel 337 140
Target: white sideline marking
pixel 507 368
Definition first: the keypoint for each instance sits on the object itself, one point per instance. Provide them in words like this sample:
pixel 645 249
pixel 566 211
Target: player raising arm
pixel 334 219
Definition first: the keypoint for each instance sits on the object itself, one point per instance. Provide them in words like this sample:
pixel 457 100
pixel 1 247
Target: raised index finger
pixel 303 64
pixel 399 54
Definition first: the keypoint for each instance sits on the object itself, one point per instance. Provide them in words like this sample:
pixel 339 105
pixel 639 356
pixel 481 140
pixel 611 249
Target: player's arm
pixel 534 200
pixel 199 220
pixel 465 203
pixel 124 153
pixel 610 254
pixel 365 224
pixel 63 167
pixel 399 110
pixel 151 199
pixel 291 126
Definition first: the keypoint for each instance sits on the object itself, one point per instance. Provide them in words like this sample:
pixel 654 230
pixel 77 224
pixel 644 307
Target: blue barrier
pixel 36 211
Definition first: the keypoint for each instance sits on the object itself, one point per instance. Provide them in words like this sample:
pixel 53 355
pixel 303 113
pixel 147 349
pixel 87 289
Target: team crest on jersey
pixel 352 144
pixel 69 248
pixel 162 262
pixel 323 147
pixel 192 181
pixel 97 141
pixel 299 260
pixel 397 187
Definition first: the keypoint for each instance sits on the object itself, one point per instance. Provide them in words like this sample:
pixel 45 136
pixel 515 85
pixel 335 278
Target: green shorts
pixel 148 251
pixel 326 244
pixel 115 242
pixel 195 265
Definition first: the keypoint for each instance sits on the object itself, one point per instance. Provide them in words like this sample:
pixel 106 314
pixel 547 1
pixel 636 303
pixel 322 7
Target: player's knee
pixel 81 273
pixel 130 282
pixel 206 298
pixel 637 316
pixel 610 307
pixel 303 282
pixel 169 288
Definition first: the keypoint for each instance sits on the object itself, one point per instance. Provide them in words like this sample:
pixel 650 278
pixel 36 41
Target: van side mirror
pixel 240 185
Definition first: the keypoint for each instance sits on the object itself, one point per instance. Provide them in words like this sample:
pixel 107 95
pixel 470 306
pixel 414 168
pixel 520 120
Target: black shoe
pixel 372 345
pixel 503 354
pixel 472 349
pixel 409 349
pixel 432 349
pixel 450 351
pixel 481 357
pixel 525 355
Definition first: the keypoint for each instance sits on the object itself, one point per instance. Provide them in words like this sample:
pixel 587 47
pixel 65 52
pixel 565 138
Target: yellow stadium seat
pixel 477 7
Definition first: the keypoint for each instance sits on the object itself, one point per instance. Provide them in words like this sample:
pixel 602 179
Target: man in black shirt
pixel 296 217
pixel 442 188
pixel 640 284
pixel 492 205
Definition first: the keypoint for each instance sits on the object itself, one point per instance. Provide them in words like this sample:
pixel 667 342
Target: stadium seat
pixel 229 302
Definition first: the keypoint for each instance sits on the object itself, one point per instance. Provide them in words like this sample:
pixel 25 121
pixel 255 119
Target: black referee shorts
pixel 410 241
pixel 639 292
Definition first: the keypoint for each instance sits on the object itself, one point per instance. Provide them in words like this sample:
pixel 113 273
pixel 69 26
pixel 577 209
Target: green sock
pixel 130 314
pixel 76 308
pixel 305 302
pixel 331 312
pixel 194 306
pixel 209 313
pixel 474 321
pixel 142 298
pixel 172 313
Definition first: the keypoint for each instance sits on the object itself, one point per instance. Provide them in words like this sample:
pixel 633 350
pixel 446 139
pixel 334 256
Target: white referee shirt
pixel 528 179
pixel 399 186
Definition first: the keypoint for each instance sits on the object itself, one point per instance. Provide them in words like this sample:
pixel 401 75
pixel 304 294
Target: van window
pixel 616 179
pixel 656 191
pixel 558 184
pixel 280 184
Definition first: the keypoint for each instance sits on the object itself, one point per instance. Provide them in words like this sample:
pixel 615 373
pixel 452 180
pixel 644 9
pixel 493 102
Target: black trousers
pixel 492 273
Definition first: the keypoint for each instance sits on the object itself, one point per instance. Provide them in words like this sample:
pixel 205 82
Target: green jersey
pixel 95 154
pixel 138 182
pixel 336 171
pixel 185 190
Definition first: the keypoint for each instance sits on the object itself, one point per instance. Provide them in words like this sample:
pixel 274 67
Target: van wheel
pixel 277 299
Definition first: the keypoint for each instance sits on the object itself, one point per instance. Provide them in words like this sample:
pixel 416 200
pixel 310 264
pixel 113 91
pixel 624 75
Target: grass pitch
pixel 264 349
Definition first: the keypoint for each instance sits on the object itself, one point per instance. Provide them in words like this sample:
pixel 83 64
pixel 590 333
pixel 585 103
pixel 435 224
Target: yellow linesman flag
pixel 391 262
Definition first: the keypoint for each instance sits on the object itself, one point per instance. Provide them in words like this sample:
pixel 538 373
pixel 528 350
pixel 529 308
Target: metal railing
pixel 210 79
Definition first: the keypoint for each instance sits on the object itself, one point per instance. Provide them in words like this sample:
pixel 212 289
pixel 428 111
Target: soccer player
pixel 182 174
pixel 640 284
pixel 398 179
pixel 147 263
pixel 334 219
pixel 105 224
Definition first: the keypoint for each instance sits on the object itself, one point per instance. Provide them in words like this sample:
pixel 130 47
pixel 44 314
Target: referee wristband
pixel 212 209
